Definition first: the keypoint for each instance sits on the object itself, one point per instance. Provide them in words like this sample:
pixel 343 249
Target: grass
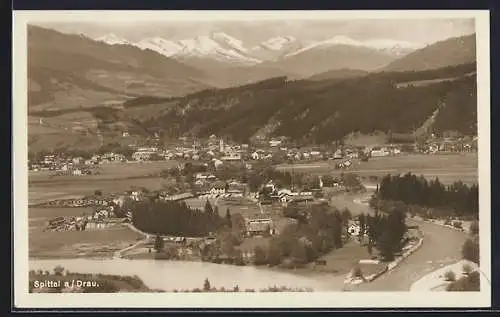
pixel 112 178
pixel 342 261
pixel 84 187
pixel 74 243
pixel 448 168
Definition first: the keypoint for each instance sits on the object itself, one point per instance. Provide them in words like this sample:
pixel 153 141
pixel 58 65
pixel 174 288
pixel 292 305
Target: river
pixel 170 275
pixel 441 246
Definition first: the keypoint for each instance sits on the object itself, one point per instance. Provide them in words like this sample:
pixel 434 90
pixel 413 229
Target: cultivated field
pixel 448 168
pixel 62 244
pixel 112 178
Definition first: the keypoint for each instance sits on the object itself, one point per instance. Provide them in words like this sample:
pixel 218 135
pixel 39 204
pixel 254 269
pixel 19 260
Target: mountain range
pixel 305 111
pixel 219 84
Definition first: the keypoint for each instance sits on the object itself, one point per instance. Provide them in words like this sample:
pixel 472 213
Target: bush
pixel 474 228
pixel 469 283
pixel 357 272
pixel 447 222
pixel 450 276
pixel 467 268
pixel 457 224
pixel 470 251
pixel 259 256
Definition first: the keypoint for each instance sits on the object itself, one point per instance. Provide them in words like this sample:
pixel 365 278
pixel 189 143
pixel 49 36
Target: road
pixel 441 246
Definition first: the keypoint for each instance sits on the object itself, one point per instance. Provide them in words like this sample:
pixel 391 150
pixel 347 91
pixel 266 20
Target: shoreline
pixel 434 281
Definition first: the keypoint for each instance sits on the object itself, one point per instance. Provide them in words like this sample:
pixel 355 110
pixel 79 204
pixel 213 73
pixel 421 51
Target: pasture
pixel 448 168
pixel 74 243
pixel 118 177
pixel 59 189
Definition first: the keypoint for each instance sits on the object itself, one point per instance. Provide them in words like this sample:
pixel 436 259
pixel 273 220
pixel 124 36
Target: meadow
pixel 112 178
pixel 68 244
pixel 447 167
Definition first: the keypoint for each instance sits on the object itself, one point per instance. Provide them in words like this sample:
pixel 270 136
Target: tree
pixel 208 207
pixel 228 218
pixel 474 228
pixel 58 270
pixel 386 246
pixel 337 229
pixel 274 253
pixel 259 256
pixel 470 251
pixel 328 180
pixel 299 253
pixel 362 226
pixel 206 285
pixel 98 193
pixel 469 283
pixel 159 243
pixel 238 222
pixel 346 216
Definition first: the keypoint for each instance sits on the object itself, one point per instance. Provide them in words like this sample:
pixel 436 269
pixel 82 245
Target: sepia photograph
pixel 175 157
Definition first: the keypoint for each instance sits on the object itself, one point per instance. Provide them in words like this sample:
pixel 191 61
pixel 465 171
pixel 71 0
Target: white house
pixel 354 229
pixel 255 156
pixel 217 162
pixel 274 143
pixel 379 152
pixel 218 188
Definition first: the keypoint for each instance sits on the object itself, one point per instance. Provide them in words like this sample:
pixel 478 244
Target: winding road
pixel 441 246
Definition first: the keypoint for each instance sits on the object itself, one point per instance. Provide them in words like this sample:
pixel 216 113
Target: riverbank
pixel 181 275
pixel 439 279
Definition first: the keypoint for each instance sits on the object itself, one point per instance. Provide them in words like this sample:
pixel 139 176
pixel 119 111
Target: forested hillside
pixel 328 110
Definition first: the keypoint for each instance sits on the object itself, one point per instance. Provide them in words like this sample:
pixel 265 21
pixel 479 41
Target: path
pixel 118 254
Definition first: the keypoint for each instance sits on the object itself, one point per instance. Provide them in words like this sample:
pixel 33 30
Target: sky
pixel 422 31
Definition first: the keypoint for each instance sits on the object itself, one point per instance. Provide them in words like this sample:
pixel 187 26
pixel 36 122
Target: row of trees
pixel 461 199
pixel 385 231
pixel 175 218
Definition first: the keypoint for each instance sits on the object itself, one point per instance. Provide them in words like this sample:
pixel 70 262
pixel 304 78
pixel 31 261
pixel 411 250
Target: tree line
pixel 316 231
pixel 384 231
pixel 458 198
pixel 322 113
pixel 175 218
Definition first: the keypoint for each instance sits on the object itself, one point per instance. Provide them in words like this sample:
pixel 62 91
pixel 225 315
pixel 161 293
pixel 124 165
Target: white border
pixel 22 299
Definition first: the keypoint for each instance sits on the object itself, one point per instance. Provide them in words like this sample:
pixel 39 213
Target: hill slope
pixel 454 51
pixel 339 74
pixel 67 71
pixel 328 110
pixel 305 110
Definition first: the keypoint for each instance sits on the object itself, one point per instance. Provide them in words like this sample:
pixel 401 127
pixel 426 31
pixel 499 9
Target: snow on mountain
pixel 390 46
pixel 277 43
pixel 112 39
pixel 229 41
pixel 218 46
pixel 160 45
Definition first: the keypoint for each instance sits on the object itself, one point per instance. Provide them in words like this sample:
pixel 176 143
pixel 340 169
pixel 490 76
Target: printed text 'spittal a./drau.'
pixel 293 159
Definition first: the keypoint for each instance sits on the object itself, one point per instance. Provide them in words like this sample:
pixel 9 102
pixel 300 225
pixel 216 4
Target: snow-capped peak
pixel 229 40
pixel 112 39
pixel 379 44
pixel 160 45
pixel 277 43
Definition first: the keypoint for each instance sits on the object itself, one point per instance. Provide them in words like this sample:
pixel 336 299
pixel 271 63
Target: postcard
pixel 251 159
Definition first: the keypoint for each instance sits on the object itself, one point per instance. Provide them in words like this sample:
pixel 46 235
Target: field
pixel 448 168
pixel 62 244
pixel 112 178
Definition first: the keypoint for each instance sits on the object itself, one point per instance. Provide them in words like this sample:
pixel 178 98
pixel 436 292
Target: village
pixel 215 151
